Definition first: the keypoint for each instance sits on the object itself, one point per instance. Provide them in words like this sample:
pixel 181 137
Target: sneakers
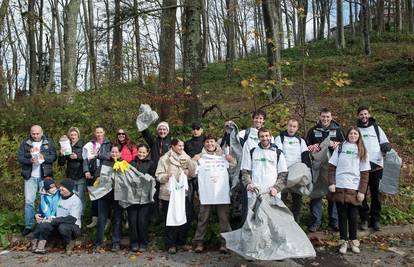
pixel 343 246
pixel 199 248
pixel 363 225
pixel 355 246
pixel 93 223
pixel 34 244
pixel 313 228
pixel 172 250
pixel 26 231
pixel 41 247
pixel 142 248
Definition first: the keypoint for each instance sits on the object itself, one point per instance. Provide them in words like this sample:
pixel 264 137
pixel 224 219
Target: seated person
pixel 67 221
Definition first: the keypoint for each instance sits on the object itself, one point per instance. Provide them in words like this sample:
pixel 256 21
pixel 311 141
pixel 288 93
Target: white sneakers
pixel 354 244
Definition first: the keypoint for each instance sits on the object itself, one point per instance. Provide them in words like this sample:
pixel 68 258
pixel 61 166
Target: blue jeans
pixel 80 190
pixel 31 187
pixel 316 212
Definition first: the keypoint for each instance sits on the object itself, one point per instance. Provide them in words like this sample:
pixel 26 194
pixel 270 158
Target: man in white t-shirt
pixel 295 150
pixel 36 156
pixel 265 166
pixel 377 144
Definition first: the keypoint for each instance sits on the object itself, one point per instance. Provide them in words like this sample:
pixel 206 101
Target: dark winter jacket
pixel 345 195
pixel 159 146
pixel 74 168
pixel 194 146
pixel 103 154
pixel 317 134
pixel 47 149
pixel 143 166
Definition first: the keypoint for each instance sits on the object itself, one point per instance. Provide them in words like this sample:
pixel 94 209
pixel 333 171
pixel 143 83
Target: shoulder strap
pixel 377 132
pixel 245 137
pixel 339 149
pixel 251 152
pixel 278 152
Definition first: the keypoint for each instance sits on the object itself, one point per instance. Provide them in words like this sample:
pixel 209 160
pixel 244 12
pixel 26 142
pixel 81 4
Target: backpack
pixel 282 138
pixel 246 136
pixel 278 152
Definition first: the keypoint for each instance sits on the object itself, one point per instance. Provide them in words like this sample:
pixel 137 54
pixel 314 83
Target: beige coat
pixel 173 164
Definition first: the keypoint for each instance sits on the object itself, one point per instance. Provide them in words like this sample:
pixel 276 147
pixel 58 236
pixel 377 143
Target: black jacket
pixel 103 154
pixel 159 146
pixel 143 166
pixel 194 146
pixel 24 157
pixel 317 134
pixel 74 168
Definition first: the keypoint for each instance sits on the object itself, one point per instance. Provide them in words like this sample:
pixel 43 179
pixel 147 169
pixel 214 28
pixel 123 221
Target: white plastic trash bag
pixel 269 232
pixel 146 117
pixel 391 173
pixel 299 179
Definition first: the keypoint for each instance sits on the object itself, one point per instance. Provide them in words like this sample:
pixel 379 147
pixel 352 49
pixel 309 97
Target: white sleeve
pixel 246 163
pixel 383 138
pixel 303 146
pixel 241 134
pixel 334 158
pixel 278 142
pixel 281 165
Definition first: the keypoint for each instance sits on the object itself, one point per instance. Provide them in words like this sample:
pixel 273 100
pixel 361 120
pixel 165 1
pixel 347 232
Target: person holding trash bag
pixel 173 170
pixel 348 179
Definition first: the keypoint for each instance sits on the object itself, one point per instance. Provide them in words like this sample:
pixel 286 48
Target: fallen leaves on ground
pixel 43 259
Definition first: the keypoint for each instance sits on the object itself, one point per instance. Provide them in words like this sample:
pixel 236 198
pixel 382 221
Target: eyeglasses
pixel 120 134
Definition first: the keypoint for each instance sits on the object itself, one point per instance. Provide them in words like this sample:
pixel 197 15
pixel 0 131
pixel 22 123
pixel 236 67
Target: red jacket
pixel 127 154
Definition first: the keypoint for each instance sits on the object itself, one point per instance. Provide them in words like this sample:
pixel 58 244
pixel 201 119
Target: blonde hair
pixel 73 129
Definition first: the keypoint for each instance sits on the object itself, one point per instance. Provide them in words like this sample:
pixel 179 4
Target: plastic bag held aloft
pixel 391 173
pixel 146 117
pixel 269 232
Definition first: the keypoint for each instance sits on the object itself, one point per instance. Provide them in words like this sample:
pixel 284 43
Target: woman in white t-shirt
pixel 348 180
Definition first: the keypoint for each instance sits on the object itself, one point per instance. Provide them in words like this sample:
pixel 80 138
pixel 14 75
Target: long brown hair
pixel 362 151
pixel 128 142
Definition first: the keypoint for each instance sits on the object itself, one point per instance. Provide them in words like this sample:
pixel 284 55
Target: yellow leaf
pixel 244 83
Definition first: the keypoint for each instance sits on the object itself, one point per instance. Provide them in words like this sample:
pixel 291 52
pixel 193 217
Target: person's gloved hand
pixel 360 197
pixel 332 188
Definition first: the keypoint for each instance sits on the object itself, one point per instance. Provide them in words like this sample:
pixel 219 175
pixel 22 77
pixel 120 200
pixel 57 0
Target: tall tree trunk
pixel 204 16
pixel 302 14
pixel 3 90
pixel 410 16
pixel 230 34
pixel 340 36
pixel 167 53
pixel 288 31
pixel 271 21
pixel 192 57
pixel 138 45
pixel 398 16
pixel 40 54
pixel 31 40
pixel 380 16
pixel 365 27
pixel 50 87
pixel 323 14
pixel 314 19
pixel 90 32
pixel 117 44
pixel 351 19
pixel 71 11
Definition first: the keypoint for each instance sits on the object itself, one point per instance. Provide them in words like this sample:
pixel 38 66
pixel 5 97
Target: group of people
pixel 201 166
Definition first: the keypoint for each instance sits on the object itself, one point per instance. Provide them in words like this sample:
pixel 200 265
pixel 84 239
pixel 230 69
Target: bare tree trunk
pixel 138 46
pixel 398 15
pixel 204 16
pixel 271 21
pixel 410 16
pixel 71 12
pixel 167 53
pixel 31 40
pixel 15 71
pixel 192 57
pixel 340 35
pixel 324 11
pixel 365 27
pixel 117 44
pixel 50 87
pixel 230 34
pixel 3 90
pixel 40 54
pixel 328 18
pixel 314 19
pixel 351 19
pixel 302 14
pixel 288 31
pixel 380 16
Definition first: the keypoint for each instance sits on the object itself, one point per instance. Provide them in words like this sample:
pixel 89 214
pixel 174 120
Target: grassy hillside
pixel 383 81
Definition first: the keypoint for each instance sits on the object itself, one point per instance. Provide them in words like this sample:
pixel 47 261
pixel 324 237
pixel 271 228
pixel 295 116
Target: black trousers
pixel 365 212
pixel 347 220
pixel 105 204
pixel 138 220
pixel 67 232
pixel 176 235
pixel 296 203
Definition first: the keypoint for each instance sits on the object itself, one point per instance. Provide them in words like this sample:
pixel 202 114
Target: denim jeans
pixel 316 212
pixel 80 190
pixel 31 187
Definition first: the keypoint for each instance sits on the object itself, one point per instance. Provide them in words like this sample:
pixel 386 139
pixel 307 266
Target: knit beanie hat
pixel 69 184
pixel 47 183
pixel 165 124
